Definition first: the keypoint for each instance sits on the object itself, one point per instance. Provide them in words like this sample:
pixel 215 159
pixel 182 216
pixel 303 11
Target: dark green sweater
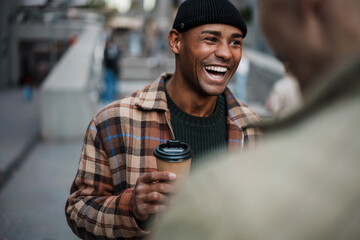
pixel 203 134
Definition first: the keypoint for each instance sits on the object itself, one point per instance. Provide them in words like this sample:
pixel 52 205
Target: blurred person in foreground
pixel 303 182
pixel 118 192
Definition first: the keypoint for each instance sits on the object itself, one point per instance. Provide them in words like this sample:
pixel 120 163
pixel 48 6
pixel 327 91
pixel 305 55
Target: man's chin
pixel 215 92
pixel 213 88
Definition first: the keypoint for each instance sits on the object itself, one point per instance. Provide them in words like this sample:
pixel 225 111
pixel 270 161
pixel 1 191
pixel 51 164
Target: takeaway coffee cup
pixel 174 156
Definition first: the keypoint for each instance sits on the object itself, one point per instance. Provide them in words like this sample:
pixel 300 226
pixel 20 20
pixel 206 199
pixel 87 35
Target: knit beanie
pixel 193 13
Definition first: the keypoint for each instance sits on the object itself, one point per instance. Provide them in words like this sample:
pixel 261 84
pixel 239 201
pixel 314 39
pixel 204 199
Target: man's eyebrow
pixel 237 35
pixel 216 33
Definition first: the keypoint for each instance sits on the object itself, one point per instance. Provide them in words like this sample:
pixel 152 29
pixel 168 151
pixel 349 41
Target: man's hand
pixel 152 194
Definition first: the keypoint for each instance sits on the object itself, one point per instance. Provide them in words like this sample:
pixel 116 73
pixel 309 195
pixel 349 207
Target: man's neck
pixel 189 101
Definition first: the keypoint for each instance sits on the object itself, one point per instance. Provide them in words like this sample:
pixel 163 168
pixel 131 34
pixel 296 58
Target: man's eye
pixel 236 43
pixel 211 39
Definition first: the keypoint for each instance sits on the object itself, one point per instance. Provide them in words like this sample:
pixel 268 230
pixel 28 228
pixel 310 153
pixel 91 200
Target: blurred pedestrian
pixel 112 57
pixel 285 95
pixel 27 82
pixel 118 192
pixel 303 182
pixel 27 87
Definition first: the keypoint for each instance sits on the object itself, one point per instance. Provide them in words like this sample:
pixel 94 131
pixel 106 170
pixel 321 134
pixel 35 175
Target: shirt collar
pixel 153 96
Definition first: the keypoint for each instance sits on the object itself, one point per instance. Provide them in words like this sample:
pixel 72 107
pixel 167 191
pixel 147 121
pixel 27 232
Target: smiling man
pixel 118 191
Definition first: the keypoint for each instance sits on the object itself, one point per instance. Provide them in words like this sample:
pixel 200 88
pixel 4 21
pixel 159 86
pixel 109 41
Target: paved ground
pixel 36 176
pixel 19 124
pixel 32 202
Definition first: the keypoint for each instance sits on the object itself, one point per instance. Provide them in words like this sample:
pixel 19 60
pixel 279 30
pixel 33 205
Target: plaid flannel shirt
pixel 118 148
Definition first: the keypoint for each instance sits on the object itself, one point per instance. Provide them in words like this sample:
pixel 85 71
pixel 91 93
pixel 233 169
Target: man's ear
pixel 174 41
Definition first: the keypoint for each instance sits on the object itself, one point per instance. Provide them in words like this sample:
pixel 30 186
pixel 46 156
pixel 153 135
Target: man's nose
pixel 223 51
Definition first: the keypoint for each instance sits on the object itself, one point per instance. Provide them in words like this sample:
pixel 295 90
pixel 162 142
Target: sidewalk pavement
pixel 19 127
pixel 37 174
pixel 33 201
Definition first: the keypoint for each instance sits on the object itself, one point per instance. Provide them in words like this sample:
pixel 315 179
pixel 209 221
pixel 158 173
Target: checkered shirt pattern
pixel 118 148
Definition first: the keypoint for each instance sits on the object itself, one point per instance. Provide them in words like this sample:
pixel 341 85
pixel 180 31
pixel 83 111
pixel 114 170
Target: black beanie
pixel 193 13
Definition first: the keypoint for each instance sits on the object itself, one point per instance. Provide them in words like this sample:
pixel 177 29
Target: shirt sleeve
pixel 94 210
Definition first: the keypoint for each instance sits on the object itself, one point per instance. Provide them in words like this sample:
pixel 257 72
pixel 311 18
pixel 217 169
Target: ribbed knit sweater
pixel 203 134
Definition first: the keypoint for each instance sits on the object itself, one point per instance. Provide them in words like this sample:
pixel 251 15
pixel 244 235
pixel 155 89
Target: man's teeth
pixel 216 69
